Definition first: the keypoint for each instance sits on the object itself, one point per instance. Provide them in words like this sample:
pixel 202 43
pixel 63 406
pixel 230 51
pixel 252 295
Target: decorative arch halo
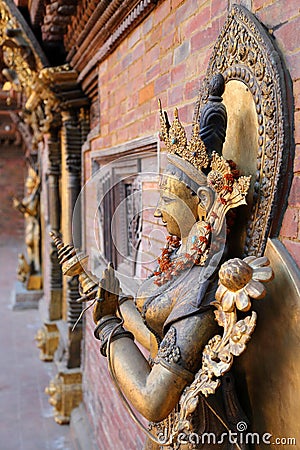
pixel 246 52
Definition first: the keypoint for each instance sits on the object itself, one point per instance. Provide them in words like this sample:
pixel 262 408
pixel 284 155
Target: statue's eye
pixel 167 199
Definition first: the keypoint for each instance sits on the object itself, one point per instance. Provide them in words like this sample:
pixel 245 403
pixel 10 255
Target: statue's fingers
pixel 110 269
pixel 112 278
pixel 99 295
pixel 105 279
pixel 117 286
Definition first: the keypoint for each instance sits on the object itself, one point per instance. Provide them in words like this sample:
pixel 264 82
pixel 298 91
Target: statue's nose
pixel 157 213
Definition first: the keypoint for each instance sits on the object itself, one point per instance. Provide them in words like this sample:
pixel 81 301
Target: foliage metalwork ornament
pixel 243 277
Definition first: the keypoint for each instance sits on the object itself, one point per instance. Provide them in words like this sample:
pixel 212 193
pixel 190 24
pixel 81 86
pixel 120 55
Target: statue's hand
pixel 107 295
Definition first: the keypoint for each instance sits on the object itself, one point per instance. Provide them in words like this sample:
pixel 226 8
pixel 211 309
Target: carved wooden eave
pixel 22 55
pixel 57 17
pixel 55 90
pixel 95 32
pixel 16 34
pixel 63 83
pixel 47 90
pixel 247 53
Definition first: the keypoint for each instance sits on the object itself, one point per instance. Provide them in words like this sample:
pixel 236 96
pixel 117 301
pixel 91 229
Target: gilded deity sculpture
pixel 179 311
pixel 29 207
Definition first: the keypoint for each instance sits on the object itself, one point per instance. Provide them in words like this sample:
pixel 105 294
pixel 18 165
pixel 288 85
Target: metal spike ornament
pixel 74 263
pixel 174 136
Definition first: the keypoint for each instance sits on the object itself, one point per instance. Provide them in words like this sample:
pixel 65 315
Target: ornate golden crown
pixel 223 177
pixel 174 136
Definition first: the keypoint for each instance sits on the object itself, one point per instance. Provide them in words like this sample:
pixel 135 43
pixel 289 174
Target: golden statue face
pixel 177 207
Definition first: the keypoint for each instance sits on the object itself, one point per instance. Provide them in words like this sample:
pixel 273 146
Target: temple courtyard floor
pixel 26 416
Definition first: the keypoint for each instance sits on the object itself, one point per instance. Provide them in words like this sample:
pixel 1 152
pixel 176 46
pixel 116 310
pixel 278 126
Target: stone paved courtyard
pixel 26 416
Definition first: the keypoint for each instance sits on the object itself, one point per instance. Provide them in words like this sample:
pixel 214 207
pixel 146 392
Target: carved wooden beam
pixel 90 39
pixel 48 90
pixel 56 20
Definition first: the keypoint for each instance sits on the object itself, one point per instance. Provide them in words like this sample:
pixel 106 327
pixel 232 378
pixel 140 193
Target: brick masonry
pixel 166 57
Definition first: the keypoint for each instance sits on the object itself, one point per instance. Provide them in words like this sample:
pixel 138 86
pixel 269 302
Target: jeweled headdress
pixel 174 136
pixel 192 156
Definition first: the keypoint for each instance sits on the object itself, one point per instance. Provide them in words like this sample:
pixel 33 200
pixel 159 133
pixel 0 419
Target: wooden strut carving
pixel 43 87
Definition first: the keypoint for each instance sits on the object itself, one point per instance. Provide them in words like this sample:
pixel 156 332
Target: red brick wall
pixel 12 175
pixel 166 57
